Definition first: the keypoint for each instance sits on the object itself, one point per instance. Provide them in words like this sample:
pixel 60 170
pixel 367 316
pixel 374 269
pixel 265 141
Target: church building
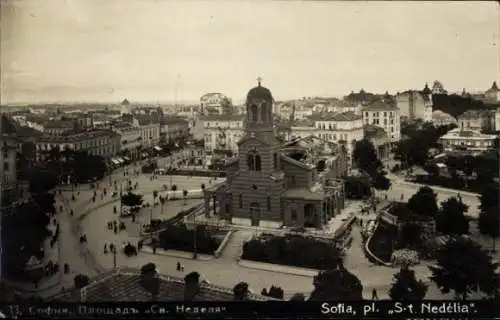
pixel 273 184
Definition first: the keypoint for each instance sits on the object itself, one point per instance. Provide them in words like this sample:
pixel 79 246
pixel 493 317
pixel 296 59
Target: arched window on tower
pixel 251 162
pixel 275 161
pixel 263 112
pixel 257 163
pixel 254 110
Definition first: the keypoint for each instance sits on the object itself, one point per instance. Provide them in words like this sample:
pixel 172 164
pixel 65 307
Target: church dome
pixel 259 93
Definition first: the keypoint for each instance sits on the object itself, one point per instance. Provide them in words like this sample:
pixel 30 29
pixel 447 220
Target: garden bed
pixel 381 243
pixel 179 237
pixel 293 250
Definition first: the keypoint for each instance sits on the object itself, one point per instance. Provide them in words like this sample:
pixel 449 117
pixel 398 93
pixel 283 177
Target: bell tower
pixel 259 106
pixel 260 147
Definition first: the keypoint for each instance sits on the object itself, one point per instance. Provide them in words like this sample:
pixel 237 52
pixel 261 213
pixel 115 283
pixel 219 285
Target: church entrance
pixel 255 213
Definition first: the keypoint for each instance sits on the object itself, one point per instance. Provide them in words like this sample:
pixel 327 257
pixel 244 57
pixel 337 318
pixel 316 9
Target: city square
pixel 159 164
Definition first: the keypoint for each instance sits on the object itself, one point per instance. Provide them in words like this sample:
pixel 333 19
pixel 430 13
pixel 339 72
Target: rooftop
pixel 473 114
pixel 123 285
pixel 309 150
pixel 222 117
pixel 379 105
pixel 74 137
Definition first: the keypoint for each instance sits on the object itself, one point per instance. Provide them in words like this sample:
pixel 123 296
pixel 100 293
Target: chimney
pixel 191 286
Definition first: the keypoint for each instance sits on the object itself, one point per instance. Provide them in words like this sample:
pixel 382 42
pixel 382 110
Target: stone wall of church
pixel 296 177
pixel 243 184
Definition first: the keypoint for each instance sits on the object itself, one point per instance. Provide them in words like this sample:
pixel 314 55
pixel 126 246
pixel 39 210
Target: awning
pixel 157 148
pixel 115 161
pixel 145 154
pixel 120 160
pixel 126 158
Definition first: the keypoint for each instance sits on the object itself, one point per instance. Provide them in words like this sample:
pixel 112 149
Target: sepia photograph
pixel 323 152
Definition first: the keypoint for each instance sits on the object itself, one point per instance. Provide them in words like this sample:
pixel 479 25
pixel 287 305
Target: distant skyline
pixel 106 51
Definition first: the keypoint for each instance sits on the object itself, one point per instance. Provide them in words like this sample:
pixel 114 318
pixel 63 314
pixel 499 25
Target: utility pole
pixel 114 257
pixel 151 224
pixel 195 254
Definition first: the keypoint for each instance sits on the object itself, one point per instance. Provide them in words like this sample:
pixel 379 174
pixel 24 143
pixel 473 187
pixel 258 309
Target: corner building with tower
pixel 297 183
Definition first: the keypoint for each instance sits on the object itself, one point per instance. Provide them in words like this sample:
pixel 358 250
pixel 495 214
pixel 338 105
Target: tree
pixel 463 267
pixel 174 187
pixel 410 235
pixel 149 280
pixel 366 158
pixel 337 284
pixel 80 281
pixel 41 181
pixel 380 181
pixel 489 218
pixel 424 202
pixel 406 287
pixel 276 292
pixel 451 219
pixel 131 199
pixel 298 297
pixel 227 106
pixel 241 291
pixel 357 187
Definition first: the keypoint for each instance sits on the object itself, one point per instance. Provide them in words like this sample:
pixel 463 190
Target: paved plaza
pixel 91 219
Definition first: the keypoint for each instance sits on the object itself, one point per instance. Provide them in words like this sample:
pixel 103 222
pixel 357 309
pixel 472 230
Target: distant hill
pixel 456 105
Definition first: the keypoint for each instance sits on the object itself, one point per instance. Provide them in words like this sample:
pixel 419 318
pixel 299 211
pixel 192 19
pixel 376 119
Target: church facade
pixel 274 184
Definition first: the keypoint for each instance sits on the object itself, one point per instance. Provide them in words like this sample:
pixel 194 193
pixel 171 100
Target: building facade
pixel 476 120
pixel 104 143
pixel 221 133
pixel 296 184
pixel 414 105
pixel 384 115
pixel 346 127
pixel 8 159
pixel 173 129
pixel 212 103
pixel 467 140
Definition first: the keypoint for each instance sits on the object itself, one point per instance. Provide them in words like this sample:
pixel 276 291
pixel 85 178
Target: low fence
pixel 181 216
pixel 197 173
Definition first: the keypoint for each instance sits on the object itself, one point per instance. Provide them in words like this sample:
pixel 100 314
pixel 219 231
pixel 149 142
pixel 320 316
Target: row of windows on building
pixel 377 121
pixel 254 161
pixel 376 114
pixel 238 124
pixel 330 137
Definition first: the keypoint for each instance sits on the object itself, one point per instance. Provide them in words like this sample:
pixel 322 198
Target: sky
pixel 146 50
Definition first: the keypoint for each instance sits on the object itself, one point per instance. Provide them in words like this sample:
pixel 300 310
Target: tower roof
pixel 259 93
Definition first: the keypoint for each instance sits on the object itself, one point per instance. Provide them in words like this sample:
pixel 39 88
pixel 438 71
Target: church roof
pixel 124 285
pixel 259 93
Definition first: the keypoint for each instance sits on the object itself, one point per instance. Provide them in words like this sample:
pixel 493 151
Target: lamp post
pixel 114 256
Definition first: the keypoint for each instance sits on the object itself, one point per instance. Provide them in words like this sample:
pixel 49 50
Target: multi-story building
pixel 8 159
pixel 173 129
pixel 222 133
pixel 295 184
pixel 130 139
pixel 384 115
pixel 437 88
pixel 497 120
pixel 104 143
pixel 468 140
pixel 414 105
pixel 148 126
pixel 492 94
pixel 345 128
pixel 212 103
pixel 476 120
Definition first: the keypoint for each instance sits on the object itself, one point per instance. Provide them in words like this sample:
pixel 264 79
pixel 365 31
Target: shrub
pixel 405 258
pixel 294 250
pixel 178 237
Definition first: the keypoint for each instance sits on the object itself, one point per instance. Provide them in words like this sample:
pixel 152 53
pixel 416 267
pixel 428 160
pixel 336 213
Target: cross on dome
pixel 259 80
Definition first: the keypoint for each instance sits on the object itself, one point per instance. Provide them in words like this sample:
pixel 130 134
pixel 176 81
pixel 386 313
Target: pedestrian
pixel 178 266
pixel 374 295
pixel 182 268
pixel 105 248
